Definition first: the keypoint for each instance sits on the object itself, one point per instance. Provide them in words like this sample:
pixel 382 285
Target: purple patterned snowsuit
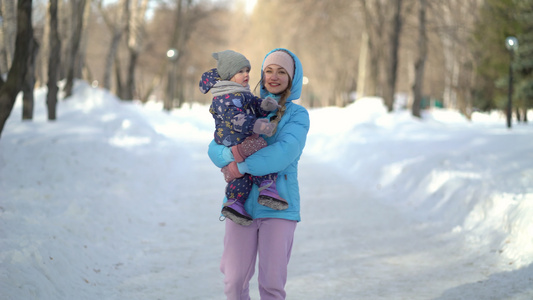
pixel 235 110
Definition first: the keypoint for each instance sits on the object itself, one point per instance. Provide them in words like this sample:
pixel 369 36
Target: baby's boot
pixel 234 210
pixel 269 197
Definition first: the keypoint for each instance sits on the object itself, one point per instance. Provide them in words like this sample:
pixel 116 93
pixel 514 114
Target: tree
pixel 78 7
pixel 421 59
pixel 497 20
pixel 17 72
pixel 136 29
pixel 192 28
pixel 375 14
pixel 8 31
pixel 116 21
pixel 391 72
pixel 177 43
pixel 524 63
pixel 54 60
pixel 455 20
pixel 29 82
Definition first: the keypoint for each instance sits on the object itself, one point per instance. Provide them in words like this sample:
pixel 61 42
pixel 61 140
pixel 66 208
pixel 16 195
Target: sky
pixel 119 200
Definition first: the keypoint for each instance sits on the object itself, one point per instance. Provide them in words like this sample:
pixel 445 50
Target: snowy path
pixel 348 246
pixel 120 201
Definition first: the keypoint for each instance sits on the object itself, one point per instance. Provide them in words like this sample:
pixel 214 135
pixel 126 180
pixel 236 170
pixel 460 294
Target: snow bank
pixel 471 177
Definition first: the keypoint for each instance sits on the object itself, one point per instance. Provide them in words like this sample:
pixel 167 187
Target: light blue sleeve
pixel 243 167
pixel 220 155
pixel 288 145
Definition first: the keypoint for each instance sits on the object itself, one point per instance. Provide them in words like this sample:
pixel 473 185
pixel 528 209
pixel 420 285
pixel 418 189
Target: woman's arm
pixel 220 155
pixel 288 146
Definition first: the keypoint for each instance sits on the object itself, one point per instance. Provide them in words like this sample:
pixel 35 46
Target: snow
pixel 118 200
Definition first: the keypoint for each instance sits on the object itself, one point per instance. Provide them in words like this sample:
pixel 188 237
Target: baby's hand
pixel 269 104
pixel 262 126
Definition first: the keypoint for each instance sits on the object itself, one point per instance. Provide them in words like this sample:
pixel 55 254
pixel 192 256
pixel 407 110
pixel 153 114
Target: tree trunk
pixel 374 20
pixel 135 42
pixel 77 16
pixel 8 32
pixel 29 82
pixel 79 67
pixel 421 60
pixel 373 72
pixel 391 73
pixel 108 68
pixel 130 79
pixel 117 28
pixel 17 72
pixel 54 61
pixel 361 74
pixel 525 114
pixel 118 79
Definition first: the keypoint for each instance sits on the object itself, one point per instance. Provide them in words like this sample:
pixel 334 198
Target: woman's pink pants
pixel 271 240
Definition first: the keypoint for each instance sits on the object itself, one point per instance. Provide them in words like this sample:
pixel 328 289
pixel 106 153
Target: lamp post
pixel 172 55
pixel 512 45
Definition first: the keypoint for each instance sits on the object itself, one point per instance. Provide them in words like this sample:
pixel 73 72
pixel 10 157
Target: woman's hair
pixel 282 101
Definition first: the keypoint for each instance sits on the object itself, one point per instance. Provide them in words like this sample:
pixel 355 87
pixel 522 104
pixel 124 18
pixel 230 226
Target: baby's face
pixel 242 77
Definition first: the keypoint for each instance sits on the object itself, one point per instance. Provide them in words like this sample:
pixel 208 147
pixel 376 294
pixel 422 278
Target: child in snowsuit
pixel 239 119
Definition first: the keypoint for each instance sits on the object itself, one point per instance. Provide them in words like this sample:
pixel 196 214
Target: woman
pixel 271 233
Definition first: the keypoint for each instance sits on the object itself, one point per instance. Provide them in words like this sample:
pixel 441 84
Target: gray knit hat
pixel 230 63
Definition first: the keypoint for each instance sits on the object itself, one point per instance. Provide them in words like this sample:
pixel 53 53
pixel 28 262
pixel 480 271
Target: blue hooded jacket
pixel 280 156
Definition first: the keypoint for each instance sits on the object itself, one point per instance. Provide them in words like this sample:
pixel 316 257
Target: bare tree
pixel 455 27
pixel 54 59
pixel 176 43
pixel 187 15
pixel 375 15
pixel 78 7
pixel 361 74
pixel 80 68
pixel 17 72
pixel 136 29
pixel 8 31
pixel 391 71
pixel 117 23
pixel 29 82
pixel 421 59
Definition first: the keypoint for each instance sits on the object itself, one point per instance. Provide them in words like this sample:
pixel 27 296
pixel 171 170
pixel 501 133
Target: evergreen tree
pixel 498 20
pixel 523 64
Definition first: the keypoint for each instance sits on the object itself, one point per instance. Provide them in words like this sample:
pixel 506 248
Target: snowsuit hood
pixel 211 81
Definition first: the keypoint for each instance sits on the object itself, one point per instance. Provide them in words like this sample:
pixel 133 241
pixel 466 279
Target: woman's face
pixel 276 79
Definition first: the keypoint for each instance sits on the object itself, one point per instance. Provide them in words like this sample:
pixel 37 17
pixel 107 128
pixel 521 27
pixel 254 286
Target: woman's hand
pixel 231 172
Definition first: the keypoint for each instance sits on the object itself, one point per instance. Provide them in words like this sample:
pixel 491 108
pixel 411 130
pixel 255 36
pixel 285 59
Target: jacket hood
pixel 296 88
pixel 208 81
